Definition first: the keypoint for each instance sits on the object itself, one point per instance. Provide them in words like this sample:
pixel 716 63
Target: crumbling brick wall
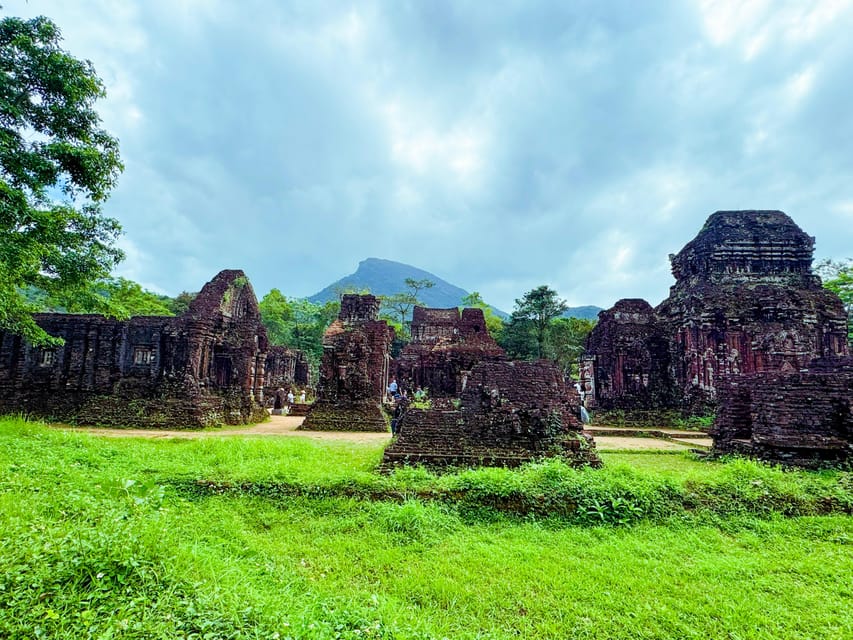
pixel 802 418
pixel 445 346
pixel 202 368
pixel 509 413
pixel 284 369
pixel 354 370
pixel 745 300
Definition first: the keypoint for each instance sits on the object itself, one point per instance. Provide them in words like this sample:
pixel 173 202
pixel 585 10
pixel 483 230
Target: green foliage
pixel 416 286
pixel 125 297
pixel 838 278
pixel 277 317
pixel 181 303
pixel 494 324
pixel 539 306
pixel 102 539
pixel 565 341
pixel 693 423
pixel 518 338
pixel 341 291
pixel 414 521
pixel 400 305
pixel 296 322
pixel 56 168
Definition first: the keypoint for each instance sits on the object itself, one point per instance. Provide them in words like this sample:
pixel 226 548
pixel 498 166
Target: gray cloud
pixel 500 146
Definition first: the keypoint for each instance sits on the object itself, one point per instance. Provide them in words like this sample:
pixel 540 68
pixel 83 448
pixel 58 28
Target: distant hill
pixel 386 277
pixel 588 312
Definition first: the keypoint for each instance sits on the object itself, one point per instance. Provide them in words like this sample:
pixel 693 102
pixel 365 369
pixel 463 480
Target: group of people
pixel 282 403
pixel 395 391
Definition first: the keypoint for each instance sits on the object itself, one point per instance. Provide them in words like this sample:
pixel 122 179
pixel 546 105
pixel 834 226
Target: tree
pixel 277 317
pixel 296 322
pixel 494 324
pixel 180 303
pixel 566 341
pixel 130 299
pixel 838 277
pixel 57 167
pixel 540 306
pixel 125 297
pixel 416 286
pixel 401 304
pixel 518 338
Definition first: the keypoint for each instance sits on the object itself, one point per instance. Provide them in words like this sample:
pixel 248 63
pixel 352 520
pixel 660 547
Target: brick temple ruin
pixel 204 367
pixel 802 418
pixel 745 301
pixel 445 346
pixel 354 370
pixel 285 369
pixel 509 413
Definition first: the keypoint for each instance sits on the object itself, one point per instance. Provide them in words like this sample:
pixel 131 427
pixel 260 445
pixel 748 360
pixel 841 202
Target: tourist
pixel 302 397
pixel 392 387
pixel 290 397
pixel 399 411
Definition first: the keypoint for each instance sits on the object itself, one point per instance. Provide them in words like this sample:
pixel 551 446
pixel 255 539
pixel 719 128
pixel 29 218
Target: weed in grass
pixel 414 521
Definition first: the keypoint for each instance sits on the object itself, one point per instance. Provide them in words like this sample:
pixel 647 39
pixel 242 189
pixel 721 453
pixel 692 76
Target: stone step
pixel 299 410
pixel 705 443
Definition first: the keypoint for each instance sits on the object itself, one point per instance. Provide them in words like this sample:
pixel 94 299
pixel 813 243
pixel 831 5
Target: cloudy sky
pixel 499 145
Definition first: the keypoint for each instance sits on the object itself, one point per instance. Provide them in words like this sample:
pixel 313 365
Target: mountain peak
pixel 384 277
pixel 387 277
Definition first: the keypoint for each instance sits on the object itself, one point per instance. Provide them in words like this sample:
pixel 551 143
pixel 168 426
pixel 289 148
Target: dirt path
pixel 276 426
pixel 621 443
pixel 286 426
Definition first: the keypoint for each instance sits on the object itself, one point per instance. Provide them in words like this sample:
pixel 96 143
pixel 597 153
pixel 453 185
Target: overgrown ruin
pixel 509 413
pixel 802 418
pixel 354 370
pixel 285 368
pixel 202 368
pixel 745 301
pixel 445 346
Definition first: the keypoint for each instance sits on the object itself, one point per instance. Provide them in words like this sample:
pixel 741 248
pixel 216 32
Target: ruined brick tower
pixel 445 346
pixel 744 301
pixel 205 367
pixel 354 371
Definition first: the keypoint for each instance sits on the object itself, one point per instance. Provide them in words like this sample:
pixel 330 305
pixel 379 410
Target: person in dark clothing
pixel 399 411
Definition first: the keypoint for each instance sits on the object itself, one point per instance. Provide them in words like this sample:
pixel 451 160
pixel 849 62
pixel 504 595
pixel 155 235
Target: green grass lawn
pixel 288 537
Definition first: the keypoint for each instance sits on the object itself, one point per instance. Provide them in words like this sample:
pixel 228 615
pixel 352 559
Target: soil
pixel 275 426
pixel 286 426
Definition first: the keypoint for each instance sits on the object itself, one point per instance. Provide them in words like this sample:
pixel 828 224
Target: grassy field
pixel 285 537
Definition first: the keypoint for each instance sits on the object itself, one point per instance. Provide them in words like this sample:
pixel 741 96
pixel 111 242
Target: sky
pixel 499 145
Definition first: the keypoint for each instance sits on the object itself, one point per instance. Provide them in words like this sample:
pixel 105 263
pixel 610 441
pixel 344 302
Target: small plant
pixel 615 510
pixel 414 521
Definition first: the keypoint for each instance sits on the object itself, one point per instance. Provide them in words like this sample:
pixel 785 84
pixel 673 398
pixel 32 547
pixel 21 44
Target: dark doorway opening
pixel 222 370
